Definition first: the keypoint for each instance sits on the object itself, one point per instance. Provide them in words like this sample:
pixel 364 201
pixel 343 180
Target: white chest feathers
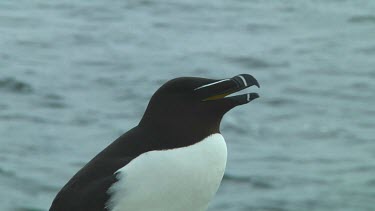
pixel 182 179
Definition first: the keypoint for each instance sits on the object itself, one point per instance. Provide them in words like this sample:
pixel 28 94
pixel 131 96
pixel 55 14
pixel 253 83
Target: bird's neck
pixel 174 134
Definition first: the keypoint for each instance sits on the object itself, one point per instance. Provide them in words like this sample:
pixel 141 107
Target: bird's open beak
pixel 218 90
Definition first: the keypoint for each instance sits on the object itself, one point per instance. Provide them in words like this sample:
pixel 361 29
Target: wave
pixel 13 85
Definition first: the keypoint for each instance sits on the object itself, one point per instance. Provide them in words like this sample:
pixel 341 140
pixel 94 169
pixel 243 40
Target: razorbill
pixel 173 160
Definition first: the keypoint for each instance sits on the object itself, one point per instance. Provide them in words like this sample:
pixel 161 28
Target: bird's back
pixel 87 189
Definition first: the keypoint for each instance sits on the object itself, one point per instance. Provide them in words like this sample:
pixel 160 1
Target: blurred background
pixel 74 75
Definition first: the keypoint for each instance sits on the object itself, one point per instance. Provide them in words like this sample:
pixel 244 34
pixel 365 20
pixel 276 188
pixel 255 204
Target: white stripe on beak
pixel 207 85
pixel 243 79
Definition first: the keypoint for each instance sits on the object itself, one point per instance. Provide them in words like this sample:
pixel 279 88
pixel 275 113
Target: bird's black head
pixel 190 105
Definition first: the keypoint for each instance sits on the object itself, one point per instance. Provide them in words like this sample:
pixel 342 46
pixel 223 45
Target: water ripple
pixel 255 182
pixel 253 62
pixel 261 27
pixel 277 102
pixel 14 85
pixel 27 209
pixel 359 19
pixel 27 118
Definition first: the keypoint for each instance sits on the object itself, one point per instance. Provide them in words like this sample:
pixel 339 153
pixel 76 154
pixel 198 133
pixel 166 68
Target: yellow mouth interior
pixel 220 96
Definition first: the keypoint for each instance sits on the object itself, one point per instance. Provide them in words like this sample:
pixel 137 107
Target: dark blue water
pixel 74 75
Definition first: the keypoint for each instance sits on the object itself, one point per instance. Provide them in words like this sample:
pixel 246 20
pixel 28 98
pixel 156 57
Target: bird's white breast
pixel 182 179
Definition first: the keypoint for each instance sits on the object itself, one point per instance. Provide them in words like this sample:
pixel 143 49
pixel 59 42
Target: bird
pixel 173 160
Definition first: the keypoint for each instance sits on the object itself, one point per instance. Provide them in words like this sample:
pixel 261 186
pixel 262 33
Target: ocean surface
pixel 74 75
